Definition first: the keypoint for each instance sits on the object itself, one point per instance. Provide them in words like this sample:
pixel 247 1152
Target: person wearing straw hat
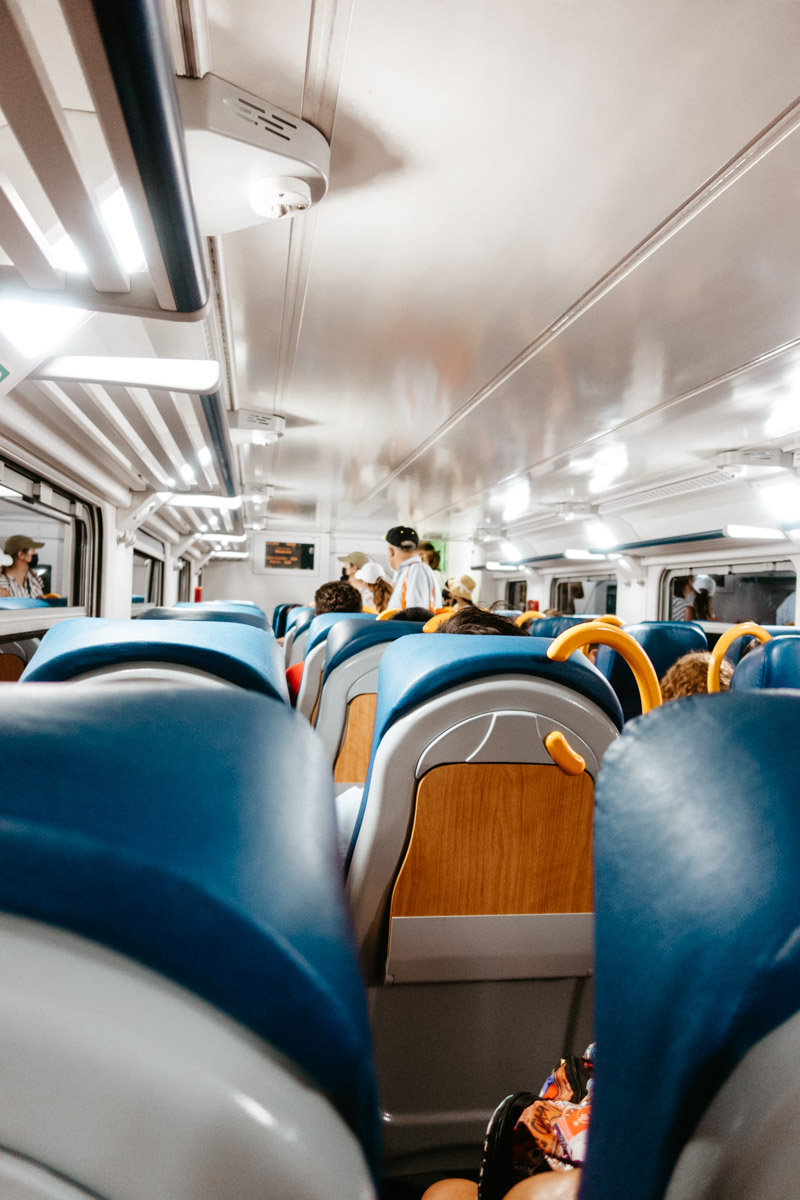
pixel 19 579
pixel 461 590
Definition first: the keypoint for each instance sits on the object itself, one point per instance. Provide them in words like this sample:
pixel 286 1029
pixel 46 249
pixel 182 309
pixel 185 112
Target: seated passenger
pixel 689 676
pixel 704 589
pixel 19 579
pixel 412 614
pixel 477 620
pixel 374 586
pixel 461 590
pixel 415 585
pixel 336 596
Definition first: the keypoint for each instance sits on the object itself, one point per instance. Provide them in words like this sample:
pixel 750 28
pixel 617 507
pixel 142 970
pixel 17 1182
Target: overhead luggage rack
pixel 127 68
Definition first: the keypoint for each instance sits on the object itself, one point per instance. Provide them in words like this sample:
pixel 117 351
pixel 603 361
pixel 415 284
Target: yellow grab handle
pixel 526 617
pixel 608 635
pixel 612 619
pixel 743 629
pixel 388 614
pixel 437 619
pixel 563 755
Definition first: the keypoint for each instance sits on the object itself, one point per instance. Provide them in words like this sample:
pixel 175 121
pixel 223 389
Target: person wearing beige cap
pixel 352 562
pixel 18 579
pixel 461 590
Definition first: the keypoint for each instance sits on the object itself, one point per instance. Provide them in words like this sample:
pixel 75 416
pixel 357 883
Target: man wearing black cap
pixel 18 579
pixel 415 584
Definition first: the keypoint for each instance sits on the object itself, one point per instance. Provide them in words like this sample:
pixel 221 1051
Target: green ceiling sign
pixel 3 372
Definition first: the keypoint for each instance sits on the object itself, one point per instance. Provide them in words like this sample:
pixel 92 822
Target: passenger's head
pixel 337 596
pixel 412 614
pixel 18 546
pixel 401 543
pixel 352 562
pixel 371 579
pixel 477 620
pixel 704 589
pixel 430 555
pixel 689 676
pixel 461 589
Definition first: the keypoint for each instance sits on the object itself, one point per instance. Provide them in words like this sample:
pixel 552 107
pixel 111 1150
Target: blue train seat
pixel 346 713
pixel 298 622
pixel 21 602
pixel 208 612
pixel 314 661
pixel 770 665
pixel 470 877
pixel 217 653
pixel 244 605
pixel 283 618
pixel 277 614
pixel 734 651
pixel 697 839
pixel 183 1012
pixel 664 642
pixel 551 627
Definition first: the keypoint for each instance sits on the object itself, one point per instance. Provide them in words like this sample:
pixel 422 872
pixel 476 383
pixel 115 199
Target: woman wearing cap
pixel 375 585
pixel 704 588
pixel 415 585
pixel 19 579
pixel 461 590
pixel 352 562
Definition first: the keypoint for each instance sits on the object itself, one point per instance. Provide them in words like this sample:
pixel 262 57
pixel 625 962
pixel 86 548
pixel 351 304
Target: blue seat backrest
pixel 664 642
pixel 303 614
pixel 22 602
pixel 129 827
pixel 321 626
pixel 248 657
pixel 350 637
pixel 697 907
pixel 202 612
pixel 736 649
pixel 283 619
pixel 551 627
pixel 774 664
pixel 277 613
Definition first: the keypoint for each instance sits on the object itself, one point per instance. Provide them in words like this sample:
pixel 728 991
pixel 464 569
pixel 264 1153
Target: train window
pixel 762 592
pixel 588 595
pixel 517 594
pixel 31 508
pixel 148 571
pixel 185 580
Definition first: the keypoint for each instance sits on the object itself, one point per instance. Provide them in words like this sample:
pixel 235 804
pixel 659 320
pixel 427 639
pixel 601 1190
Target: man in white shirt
pixel 415 585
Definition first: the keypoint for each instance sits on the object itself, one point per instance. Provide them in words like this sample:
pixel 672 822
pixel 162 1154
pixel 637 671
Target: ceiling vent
pixel 248 159
pixel 664 492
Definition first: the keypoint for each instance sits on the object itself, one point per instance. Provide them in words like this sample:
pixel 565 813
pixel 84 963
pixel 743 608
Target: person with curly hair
pixel 689 676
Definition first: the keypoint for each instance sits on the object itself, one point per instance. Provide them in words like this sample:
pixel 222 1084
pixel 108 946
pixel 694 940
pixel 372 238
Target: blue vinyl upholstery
pixel 774 664
pixel 21 602
pixel 250 658
pixel 278 612
pixel 349 637
pixel 206 612
pixel 193 831
pixel 429 664
pixel 734 651
pixel 321 626
pixel 664 642
pixel 303 615
pixel 697 840
pixel 233 605
pixel 551 627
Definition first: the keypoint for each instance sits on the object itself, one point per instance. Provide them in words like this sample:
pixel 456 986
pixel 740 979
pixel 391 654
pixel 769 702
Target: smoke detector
pixel 272 165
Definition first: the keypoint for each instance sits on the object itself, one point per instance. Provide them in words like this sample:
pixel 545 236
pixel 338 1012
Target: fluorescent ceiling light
pixel 187 474
pixel 204 456
pixel 231 554
pixel 754 533
pixel 116 217
pixel 495 566
pixel 198 375
pixel 36 329
pixel 195 500
pixel 6 491
pixel 599 535
pixel 225 537
pixel 584 554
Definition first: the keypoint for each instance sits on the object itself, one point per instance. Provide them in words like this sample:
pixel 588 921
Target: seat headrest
pixel 737 648
pixel 697 902
pixel 664 642
pixel 300 613
pixel 203 612
pixel 239 654
pixel 431 663
pixel 244 605
pixel 321 626
pixel 774 664
pixel 171 824
pixel 551 627
pixel 350 637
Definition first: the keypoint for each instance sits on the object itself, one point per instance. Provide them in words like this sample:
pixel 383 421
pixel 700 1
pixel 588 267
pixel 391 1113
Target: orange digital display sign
pixel 289 556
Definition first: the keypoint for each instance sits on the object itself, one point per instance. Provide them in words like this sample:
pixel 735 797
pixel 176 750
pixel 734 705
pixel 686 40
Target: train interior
pixel 277 276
